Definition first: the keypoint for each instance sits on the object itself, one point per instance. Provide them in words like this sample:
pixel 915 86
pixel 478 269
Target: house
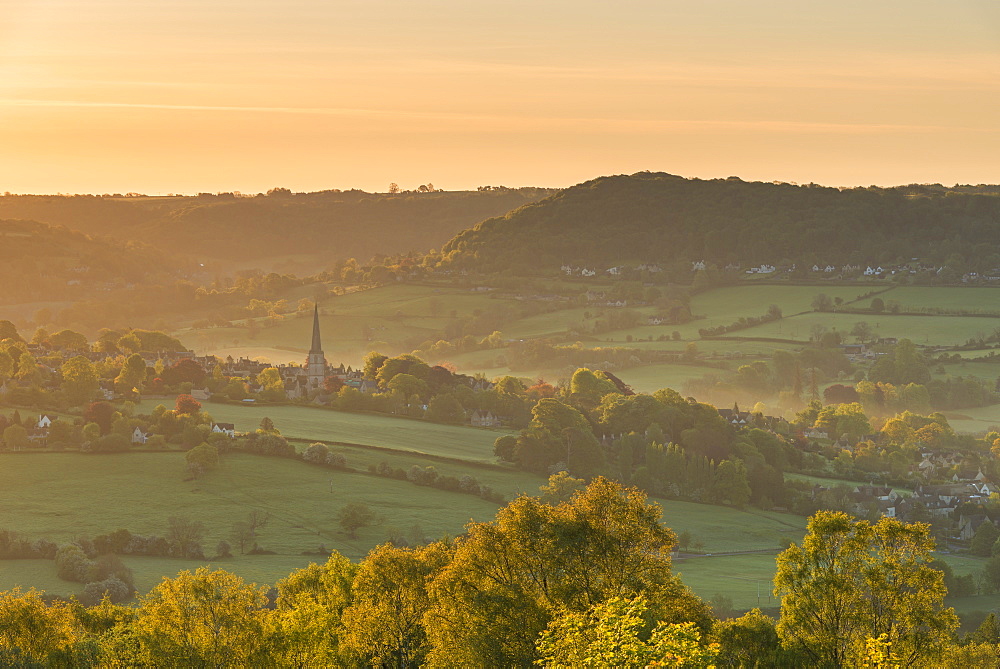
pixel 484 419
pixel 816 434
pixel 228 429
pixel 735 417
pixel 968 525
pixel 700 265
pixel 139 437
pixel 45 420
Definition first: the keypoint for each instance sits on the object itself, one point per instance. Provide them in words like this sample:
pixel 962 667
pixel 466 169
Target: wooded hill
pixel 661 218
pixel 253 230
pixel 41 262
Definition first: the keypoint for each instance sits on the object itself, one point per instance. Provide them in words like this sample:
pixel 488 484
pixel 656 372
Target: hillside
pixel 41 262
pixel 664 219
pixel 257 231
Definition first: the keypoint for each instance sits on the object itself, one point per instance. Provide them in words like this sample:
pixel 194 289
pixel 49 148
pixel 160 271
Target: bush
pixel 72 564
pixel 112 587
pixel 111 443
pixel 316 453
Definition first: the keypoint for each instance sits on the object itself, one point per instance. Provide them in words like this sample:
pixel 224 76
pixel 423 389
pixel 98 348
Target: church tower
pixel 316 362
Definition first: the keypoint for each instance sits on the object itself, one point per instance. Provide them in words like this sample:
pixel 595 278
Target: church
pixel 307 379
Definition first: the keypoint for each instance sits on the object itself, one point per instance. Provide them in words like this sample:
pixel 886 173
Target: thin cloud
pixel 521 123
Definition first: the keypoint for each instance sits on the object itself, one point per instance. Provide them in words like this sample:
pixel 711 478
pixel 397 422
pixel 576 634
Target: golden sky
pixel 161 96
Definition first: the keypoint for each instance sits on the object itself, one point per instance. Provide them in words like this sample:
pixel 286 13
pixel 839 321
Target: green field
pixel 739 577
pixel 922 330
pixel 467 443
pixel 65 496
pixel 941 297
pixel 61 496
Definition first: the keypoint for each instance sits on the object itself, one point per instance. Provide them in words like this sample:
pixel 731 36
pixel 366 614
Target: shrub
pixel 112 587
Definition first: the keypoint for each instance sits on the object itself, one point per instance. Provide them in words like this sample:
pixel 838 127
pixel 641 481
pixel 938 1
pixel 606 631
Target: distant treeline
pixel 226 226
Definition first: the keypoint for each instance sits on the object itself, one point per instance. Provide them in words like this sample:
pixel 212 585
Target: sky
pixel 182 96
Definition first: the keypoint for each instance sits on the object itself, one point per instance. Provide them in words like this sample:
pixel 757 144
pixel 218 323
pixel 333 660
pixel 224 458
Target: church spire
pixel 317 345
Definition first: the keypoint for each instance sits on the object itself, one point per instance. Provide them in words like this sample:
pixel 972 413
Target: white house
pixel 227 429
pixel 45 420
pixel 138 436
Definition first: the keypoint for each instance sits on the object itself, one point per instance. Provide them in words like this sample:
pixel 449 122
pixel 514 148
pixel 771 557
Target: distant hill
pixel 42 262
pixel 254 230
pixel 661 218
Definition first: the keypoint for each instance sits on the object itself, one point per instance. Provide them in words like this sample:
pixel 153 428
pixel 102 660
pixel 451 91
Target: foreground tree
pixel 310 605
pixel 511 577
pixel 204 619
pixel 385 623
pixel 851 581
pixel 610 635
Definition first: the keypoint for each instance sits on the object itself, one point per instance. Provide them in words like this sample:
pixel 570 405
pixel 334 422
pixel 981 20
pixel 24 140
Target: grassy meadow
pixel 464 442
pixel 65 497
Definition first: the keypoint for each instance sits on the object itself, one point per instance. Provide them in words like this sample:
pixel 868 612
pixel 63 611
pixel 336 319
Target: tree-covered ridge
pixel 661 218
pixel 42 262
pixel 226 226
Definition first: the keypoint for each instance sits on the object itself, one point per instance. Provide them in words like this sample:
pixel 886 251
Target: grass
pixel 468 443
pixel 923 330
pixel 65 496
pixel 739 577
pixel 722 529
pixel 943 297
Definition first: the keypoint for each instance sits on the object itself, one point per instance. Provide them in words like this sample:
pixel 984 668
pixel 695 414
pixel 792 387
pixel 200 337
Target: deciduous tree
pixel 851 581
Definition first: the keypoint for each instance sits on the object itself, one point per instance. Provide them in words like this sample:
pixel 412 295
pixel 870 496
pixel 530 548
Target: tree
pixel 15 437
pixel 982 541
pixel 309 610
pixel 610 634
pixel 730 485
pixel 132 375
pixel 80 380
pixel 445 408
pixel 204 619
pixel 203 457
pixel 27 369
pixel 588 388
pixel 267 426
pixel 408 385
pixel 384 624
pixel 752 641
pixel 6 365
pixel 511 577
pixel 393 188
pixel 35 627
pixel 372 363
pixel 68 340
pixel 8 331
pixel 187 405
pixel 862 332
pixel 560 488
pixel 354 516
pixel 185 535
pixel 851 581
pixel 101 413
pixel 822 302
pixel 877 305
